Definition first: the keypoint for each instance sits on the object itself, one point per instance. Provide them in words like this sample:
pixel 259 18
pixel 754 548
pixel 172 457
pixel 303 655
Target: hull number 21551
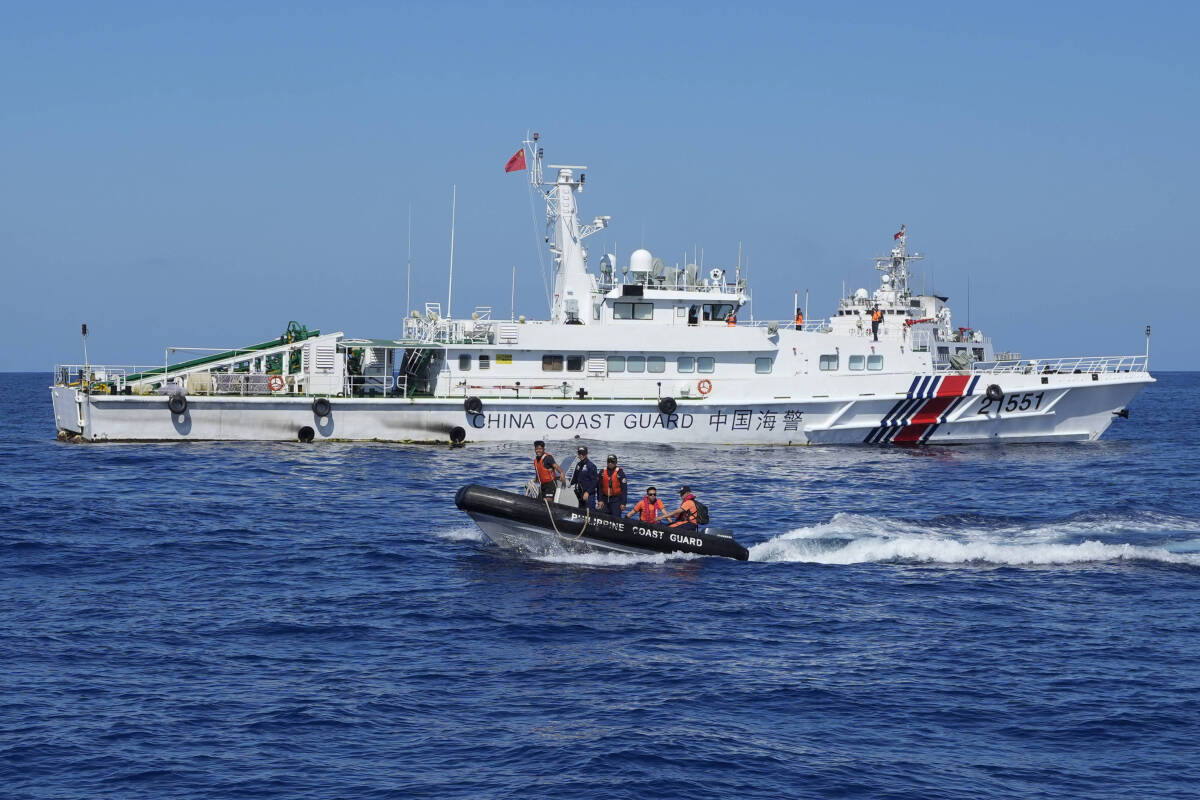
pixel 1027 401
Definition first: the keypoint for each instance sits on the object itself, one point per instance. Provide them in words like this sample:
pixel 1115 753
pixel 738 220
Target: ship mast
pixel 573 286
pixel 895 266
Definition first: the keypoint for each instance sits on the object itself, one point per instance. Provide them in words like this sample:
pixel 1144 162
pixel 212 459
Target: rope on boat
pixel 586 518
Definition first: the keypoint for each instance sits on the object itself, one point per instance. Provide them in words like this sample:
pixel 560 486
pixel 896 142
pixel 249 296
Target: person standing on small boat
pixel 649 507
pixel 546 469
pixel 585 478
pixel 613 488
pixel 687 516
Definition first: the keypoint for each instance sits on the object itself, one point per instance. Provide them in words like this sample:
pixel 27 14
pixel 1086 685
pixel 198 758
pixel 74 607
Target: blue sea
pixel 208 620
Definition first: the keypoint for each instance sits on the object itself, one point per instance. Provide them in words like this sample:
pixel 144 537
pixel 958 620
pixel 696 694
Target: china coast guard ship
pixel 641 352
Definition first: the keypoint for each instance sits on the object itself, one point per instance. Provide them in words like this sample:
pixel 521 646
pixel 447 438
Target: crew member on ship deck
pixel 799 320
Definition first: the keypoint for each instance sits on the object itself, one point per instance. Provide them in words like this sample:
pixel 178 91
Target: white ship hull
pixel 942 409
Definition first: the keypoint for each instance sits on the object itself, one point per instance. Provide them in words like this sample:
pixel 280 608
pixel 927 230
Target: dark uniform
pixel 585 478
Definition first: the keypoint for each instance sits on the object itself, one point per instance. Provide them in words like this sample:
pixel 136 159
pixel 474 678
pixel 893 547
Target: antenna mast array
pixel 564 233
pixel 895 265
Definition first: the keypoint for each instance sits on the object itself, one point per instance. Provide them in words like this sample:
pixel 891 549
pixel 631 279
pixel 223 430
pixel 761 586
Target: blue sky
pixel 201 173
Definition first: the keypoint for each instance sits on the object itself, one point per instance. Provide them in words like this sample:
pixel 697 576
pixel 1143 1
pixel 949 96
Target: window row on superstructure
pixel 829 362
pixel 684 365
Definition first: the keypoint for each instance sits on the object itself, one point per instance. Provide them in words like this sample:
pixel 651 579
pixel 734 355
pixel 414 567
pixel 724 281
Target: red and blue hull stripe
pixel 931 399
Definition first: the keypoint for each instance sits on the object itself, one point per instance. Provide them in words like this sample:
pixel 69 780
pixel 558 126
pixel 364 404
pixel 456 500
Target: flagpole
pixel 408 283
pixel 450 291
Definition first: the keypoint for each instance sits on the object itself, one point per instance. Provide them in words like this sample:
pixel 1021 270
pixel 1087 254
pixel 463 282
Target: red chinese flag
pixel 897 236
pixel 517 162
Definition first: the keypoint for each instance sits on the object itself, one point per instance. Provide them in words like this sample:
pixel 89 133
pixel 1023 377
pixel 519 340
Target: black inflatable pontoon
pixel 540 527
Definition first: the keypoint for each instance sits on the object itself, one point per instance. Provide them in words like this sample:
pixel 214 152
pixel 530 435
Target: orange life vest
pixel 649 511
pixel 689 512
pixel 544 475
pixel 876 316
pixel 799 319
pixel 731 320
pixel 610 484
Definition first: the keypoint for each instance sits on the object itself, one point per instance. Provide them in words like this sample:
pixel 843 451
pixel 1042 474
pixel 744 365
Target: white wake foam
pixel 858 539
pixel 611 559
pixel 465 533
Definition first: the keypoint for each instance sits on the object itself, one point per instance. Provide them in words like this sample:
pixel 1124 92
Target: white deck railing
pixel 1053 366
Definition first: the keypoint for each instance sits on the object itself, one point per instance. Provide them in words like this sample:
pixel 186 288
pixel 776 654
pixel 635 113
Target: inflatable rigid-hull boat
pixel 542 527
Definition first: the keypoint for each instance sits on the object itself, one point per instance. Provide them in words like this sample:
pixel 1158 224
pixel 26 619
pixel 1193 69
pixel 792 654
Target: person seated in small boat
pixel 545 469
pixel 649 507
pixel 687 516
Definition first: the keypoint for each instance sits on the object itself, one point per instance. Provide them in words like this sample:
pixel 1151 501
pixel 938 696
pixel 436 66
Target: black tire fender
pixel 306 434
pixel 177 403
pixel 667 405
pixel 457 435
pixel 473 405
pixel 321 406
pixel 994 392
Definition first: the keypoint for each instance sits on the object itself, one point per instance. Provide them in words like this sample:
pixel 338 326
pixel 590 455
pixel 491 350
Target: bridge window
pixel 717 311
pixel 705 363
pixel 574 363
pixel 464 362
pixel 829 362
pixel 686 363
pixel 636 363
pixel 656 364
pixel 858 362
pixel 616 363
pixel 552 363
pixel 875 362
pixel 633 310
pixel 762 365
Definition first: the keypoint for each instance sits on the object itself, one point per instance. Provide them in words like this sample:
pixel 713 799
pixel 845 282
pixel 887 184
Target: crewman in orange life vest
pixel 612 488
pixel 799 320
pixel 731 320
pixel 650 507
pixel 686 516
pixel 545 468
pixel 876 318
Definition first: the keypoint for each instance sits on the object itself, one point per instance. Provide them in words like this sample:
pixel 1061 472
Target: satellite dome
pixel 861 294
pixel 640 261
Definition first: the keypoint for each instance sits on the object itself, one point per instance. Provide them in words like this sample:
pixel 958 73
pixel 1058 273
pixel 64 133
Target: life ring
pixel 275 383
pixel 667 405
pixel 321 406
pixel 704 386
pixel 177 403
pixel 994 392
